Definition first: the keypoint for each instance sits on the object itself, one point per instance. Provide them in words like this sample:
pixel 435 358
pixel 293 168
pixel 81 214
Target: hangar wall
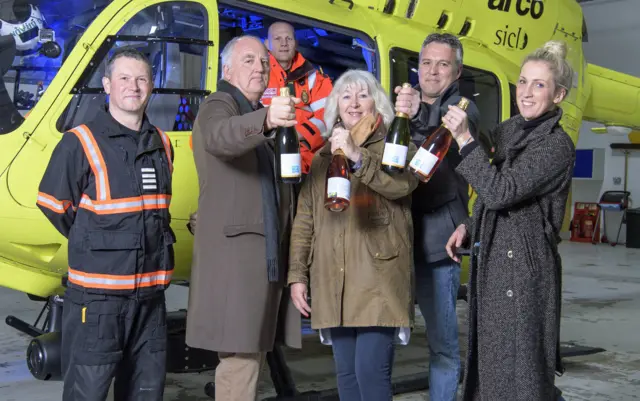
pixel 613 43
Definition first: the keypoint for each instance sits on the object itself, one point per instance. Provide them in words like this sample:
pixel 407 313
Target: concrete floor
pixel 601 309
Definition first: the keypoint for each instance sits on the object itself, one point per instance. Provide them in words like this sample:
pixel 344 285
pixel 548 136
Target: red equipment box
pixel 585 226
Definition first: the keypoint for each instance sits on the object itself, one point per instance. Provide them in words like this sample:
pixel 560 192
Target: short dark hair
pixel 128 53
pixel 448 39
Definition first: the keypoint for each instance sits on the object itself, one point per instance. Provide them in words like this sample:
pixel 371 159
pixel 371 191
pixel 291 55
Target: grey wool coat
pixel 515 274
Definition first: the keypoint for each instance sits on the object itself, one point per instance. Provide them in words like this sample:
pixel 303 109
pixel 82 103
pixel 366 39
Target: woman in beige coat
pixel 358 261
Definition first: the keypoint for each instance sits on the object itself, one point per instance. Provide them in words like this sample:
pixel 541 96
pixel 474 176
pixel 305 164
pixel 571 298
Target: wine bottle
pixel 288 166
pixel 338 183
pixel 433 150
pixel 396 143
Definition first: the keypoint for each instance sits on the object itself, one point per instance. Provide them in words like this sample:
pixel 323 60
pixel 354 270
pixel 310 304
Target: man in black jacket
pixel 107 189
pixel 439 206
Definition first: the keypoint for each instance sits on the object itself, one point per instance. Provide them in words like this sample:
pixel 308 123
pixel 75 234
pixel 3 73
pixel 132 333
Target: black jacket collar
pixel 532 124
pixel 148 139
pixel 451 90
pixel 110 127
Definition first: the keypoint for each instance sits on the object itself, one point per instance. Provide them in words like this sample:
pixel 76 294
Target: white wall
pixel 614 42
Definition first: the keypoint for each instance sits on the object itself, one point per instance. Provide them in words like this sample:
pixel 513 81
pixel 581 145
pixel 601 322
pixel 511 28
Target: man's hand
pixel 407 101
pixel 455 242
pixel 341 139
pixel 457 122
pixel 282 112
pixel 299 297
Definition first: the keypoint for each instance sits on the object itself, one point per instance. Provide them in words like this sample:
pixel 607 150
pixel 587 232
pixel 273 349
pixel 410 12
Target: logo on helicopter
pixel 534 8
pixel 512 39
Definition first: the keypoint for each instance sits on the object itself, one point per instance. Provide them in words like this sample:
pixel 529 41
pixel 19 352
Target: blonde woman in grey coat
pixel 514 286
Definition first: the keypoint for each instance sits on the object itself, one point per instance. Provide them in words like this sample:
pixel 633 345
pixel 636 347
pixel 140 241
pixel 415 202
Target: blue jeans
pixel 363 358
pixel 437 291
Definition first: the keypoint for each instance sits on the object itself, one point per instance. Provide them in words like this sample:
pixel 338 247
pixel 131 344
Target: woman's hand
pixel 457 122
pixel 191 225
pixel 341 139
pixel 455 242
pixel 299 297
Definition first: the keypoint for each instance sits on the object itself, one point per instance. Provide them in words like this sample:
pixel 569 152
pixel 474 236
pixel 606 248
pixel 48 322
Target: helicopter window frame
pixel 81 87
pixel 494 120
pixel 311 22
pixel 513 104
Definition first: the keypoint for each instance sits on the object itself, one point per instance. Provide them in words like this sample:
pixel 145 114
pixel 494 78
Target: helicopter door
pixel 176 37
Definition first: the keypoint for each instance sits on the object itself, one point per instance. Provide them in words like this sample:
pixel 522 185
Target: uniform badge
pixel 269 93
pixel 304 96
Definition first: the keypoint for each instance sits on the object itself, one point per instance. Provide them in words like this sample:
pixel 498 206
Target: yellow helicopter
pixel 183 40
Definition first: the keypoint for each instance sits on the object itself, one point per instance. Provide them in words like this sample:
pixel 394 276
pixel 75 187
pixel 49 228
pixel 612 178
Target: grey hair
pixel 128 53
pixel 447 39
pixel 356 77
pixel 554 53
pixel 225 55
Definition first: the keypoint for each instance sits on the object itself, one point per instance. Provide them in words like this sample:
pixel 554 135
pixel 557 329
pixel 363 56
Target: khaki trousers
pixel 237 375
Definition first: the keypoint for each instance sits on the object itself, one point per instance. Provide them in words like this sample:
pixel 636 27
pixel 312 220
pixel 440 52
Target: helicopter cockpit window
pixel 329 48
pixel 36 36
pixel 174 37
pixel 476 84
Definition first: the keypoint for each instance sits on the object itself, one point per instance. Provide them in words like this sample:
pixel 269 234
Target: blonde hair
pixel 356 77
pixel 554 53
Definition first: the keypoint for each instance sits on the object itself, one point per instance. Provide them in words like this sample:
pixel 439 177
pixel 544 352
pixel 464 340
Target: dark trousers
pixel 364 359
pixel 112 337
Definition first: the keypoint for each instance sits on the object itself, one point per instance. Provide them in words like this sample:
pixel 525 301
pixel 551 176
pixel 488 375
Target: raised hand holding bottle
pixel 288 161
pixel 433 150
pixel 397 142
pixel 338 183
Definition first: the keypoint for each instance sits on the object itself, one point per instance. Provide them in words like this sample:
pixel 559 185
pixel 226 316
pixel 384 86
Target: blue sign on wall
pixel 583 167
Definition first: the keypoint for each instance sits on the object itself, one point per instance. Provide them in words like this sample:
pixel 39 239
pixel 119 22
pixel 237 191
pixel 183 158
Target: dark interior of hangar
pixel 44 33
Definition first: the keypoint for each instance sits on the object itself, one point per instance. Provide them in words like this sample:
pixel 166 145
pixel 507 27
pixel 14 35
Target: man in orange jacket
pixel 290 68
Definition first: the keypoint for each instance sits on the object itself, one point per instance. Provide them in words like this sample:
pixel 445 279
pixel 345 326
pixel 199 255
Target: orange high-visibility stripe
pixel 167 147
pixel 120 282
pixel 126 205
pixel 96 161
pixel 53 204
pixel 104 204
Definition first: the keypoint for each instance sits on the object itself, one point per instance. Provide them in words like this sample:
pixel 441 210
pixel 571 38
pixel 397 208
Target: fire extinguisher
pixel 575 227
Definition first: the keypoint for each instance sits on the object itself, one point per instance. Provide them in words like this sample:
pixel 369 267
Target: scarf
pixel 364 128
pixel 270 192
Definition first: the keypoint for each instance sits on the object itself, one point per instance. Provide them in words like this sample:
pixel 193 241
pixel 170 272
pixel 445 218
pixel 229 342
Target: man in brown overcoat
pixel 237 299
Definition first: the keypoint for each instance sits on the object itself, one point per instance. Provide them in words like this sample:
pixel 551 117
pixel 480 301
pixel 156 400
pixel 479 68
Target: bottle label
pixel 423 161
pixel 394 155
pixel 338 187
pixel 290 165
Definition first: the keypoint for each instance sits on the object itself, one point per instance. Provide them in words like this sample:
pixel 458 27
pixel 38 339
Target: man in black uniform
pixel 107 189
pixel 439 206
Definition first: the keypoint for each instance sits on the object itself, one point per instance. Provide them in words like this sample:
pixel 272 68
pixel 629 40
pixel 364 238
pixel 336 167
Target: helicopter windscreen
pixel 36 36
